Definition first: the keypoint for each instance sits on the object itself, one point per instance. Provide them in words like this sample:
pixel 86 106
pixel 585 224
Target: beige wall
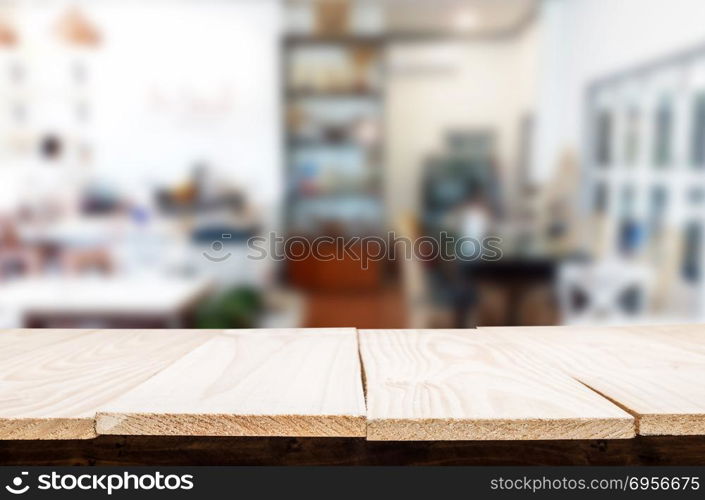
pixel 434 87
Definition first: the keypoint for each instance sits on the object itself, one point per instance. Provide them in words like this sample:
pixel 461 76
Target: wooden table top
pixel 386 385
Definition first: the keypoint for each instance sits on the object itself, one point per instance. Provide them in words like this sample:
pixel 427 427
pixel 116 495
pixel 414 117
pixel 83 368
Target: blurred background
pixel 143 143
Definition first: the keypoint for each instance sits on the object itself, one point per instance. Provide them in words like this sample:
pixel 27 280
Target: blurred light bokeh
pixel 143 143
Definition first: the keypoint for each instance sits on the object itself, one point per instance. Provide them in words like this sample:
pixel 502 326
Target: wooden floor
pixel 340 395
pixel 385 308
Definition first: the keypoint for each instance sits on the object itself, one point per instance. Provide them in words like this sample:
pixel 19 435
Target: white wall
pixel 166 70
pixel 435 87
pixel 584 40
pixel 172 83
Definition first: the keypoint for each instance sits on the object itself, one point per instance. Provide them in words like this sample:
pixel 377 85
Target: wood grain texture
pixel 53 381
pixel 654 372
pixel 251 383
pixel 452 385
pixel 18 341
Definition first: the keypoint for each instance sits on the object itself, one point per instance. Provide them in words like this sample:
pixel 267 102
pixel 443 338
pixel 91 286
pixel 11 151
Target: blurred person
pixel 469 221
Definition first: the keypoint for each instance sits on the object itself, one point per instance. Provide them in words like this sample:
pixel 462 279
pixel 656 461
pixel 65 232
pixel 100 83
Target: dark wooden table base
pixel 161 451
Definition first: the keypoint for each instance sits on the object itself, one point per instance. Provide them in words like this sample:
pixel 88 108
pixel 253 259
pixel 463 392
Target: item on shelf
pixel 335 133
pixel 366 131
pixel 75 29
pixel 8 35
pixel 363 60
pixel 332 17
pixel 100 199
pixel 203 192
pixel 330 69
pixel 51 147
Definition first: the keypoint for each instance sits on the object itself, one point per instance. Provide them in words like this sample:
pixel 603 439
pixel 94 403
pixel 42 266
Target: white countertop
pixel 138 295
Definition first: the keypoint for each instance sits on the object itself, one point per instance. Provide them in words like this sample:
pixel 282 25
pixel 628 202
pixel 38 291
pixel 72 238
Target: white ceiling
pixel 465 16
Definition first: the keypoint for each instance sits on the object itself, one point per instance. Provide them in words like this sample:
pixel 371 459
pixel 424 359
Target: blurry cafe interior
pixel 143 145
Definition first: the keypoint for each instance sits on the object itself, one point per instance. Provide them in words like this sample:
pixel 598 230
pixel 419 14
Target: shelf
pixel 339 199
pixel 334 94
pixel 334 40
pixel 341 196
pixel 299 143
pixel 389 37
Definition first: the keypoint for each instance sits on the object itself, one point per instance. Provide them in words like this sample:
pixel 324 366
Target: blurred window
pixel 698 139
pixel 630 232
pixel 657 208
pixel 693 249
pixel 696 196
pixel 600 200
pixel 603 133
pixel 631 140
pixel 627 201
pixel 663 142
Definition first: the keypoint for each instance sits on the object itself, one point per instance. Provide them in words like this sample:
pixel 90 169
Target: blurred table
pixel 76 232
pixel 149 302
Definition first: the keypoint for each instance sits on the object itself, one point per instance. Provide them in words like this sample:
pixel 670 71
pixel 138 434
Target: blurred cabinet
pixel 339 274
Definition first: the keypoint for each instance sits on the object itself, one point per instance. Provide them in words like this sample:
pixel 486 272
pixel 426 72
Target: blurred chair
pixel 86 261
pixel 416 296
pixel 17 262
pixel 606 292
pixel 538 306
pixel 16 259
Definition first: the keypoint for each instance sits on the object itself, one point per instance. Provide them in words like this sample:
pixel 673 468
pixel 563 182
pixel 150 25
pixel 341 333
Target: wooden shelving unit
pixel 333 93
pixel 333 120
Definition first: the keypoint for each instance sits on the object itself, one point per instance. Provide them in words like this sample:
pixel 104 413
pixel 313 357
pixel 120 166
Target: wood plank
pixel 687 337
pixel 452 385
pixel 654 372
pixel 17 341
pixel 583 349
pixel 53 382
pixel 251 383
